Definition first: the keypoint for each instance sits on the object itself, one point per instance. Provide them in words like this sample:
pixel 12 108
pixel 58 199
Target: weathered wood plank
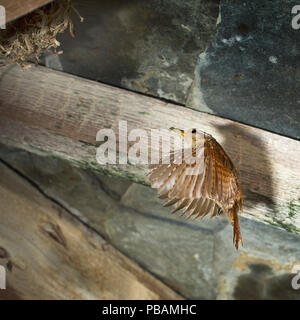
pixel 51 255
pixel 57 114
pixel 18 8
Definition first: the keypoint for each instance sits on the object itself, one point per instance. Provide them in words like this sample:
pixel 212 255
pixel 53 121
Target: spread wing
pixel 209 185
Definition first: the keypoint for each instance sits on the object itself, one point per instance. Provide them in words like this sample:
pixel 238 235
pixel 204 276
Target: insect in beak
pixel 178 131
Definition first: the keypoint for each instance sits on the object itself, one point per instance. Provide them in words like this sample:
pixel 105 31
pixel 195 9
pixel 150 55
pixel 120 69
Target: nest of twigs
pixel 27 38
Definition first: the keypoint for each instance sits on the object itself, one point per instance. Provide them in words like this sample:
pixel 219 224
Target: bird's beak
pixel 178 131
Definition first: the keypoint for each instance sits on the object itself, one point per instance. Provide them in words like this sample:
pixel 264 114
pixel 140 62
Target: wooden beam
pixel 57 257
pixel 58 115
pixel 18 8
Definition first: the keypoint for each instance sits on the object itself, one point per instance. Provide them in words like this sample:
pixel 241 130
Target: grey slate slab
pixel 146 46
pixel 251 70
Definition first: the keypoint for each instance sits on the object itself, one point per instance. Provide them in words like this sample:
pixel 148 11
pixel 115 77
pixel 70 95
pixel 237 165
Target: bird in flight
pixel 200 179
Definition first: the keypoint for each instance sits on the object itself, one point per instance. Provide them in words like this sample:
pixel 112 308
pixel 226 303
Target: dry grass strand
pixel 28 37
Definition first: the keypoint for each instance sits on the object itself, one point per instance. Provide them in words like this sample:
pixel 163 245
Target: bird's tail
pixel 232 214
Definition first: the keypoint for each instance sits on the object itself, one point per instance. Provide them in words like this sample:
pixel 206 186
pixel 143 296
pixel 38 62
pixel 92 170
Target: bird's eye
pixel 194 131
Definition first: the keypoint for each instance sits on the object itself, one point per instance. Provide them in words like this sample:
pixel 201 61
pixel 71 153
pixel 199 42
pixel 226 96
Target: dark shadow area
pixel 262 284
pixel 9 294
pixel 254 157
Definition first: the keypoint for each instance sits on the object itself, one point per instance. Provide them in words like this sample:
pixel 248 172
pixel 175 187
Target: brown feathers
pixel 208 185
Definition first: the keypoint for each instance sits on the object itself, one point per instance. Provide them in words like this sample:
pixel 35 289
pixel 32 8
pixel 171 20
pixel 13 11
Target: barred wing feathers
pixel 209 185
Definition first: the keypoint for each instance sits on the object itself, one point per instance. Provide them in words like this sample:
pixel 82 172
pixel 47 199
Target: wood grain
pixel 58 115
pixel 49 254
pixel 18 8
